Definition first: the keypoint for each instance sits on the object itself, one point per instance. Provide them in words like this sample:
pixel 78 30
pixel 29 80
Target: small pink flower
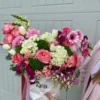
pixel 55 43
pixel 84 44
pixel 8 39
pixel 80 35
pixel 72 61
pixel 85 52
pixel 27 55
pixel 17 59
pixel 32 32
pixel 66 30
pixel 17 41
pixel 45 69
pixel 48 74
pixel 15 32
pixel 7 28
pixel 38 73
pixel 43 56
pixel 73 37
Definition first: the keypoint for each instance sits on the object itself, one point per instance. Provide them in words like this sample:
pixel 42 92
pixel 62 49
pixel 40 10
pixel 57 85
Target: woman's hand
pixel 50 96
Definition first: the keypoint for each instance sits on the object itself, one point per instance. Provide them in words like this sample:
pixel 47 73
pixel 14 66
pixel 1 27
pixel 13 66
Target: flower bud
pixel 6 46
pixel 12 51
pixel 22 30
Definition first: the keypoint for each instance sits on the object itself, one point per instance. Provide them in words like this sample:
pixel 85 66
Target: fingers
pixel 50 96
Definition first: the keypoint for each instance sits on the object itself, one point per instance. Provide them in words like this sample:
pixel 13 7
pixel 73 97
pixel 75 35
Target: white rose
pixel 22 30
pixel 6 46
pixel 12 51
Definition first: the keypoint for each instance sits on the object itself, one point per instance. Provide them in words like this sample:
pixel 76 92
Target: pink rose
pixel 38 73
pixel 72 61
pixel 15 32
pixel 7 28
pixel 66 30
pixel 8 39
pixel 43 56
pixel 17 41
pixel 32 32
pixel 85 52
pixel 17 59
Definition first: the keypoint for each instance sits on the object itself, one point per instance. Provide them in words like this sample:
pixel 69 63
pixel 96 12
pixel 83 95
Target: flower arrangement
pixel 54 55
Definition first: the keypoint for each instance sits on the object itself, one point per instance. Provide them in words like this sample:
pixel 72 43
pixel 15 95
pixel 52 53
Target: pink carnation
pixel 43 56
pixel 32 32
pixel 17 41
pixel 8 39
pixel 15 32
pixel 7 28
pixel 72 61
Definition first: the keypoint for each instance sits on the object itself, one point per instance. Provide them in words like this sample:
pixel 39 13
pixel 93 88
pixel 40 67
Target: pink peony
pixel 32 32
pixel 15 32
pixel 72 61
pixel 43 56
pixel 8 39
pixel 66 30
pixel 17 41
pixel 73 37
pixel 38 73
pixel 7 28
pixel 85 52
pixel 17 59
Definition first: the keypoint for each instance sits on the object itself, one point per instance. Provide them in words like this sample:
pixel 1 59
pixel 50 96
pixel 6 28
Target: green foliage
pixel 42 44
pixel 77 74
pixel 36 64
pixel 18 49
pixel 68 50
pixel 12 67
pixel 20 18
pixel 21 21
pixel 8 57
pixel 89 46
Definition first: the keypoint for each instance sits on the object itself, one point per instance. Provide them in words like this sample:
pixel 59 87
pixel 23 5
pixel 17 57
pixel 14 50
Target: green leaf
pixel 61 86
pixel 13 68
pixel 68 50
pixel 42 44
pixel 77 74
pixel 8 57
pixel 36 64
pixel 90 47
pixel 20 18
pixel 18 49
